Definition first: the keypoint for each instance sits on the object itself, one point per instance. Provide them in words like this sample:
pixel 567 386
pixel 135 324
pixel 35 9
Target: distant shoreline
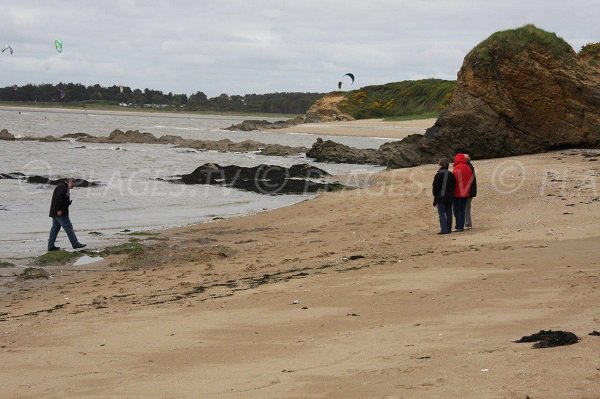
pixel 134 111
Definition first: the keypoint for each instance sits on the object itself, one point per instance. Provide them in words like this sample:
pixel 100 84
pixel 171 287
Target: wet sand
pixel 350 295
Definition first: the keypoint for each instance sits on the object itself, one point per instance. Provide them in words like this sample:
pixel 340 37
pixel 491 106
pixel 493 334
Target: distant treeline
pixel 409 97
pixel 389 100
pixel 74 93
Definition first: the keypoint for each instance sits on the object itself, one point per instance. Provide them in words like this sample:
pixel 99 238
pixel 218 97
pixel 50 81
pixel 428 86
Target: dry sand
pixel 364 128
pixel 350 295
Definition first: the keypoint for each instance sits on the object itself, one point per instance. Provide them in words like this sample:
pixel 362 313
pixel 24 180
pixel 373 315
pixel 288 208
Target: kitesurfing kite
pixel 61 94
pixel 58 44
pixel 7 47
pixel 350 75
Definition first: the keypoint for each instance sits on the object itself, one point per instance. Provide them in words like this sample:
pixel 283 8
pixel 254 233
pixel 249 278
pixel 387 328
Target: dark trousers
pixel 459 206
pixel 445 213
pixel 65 223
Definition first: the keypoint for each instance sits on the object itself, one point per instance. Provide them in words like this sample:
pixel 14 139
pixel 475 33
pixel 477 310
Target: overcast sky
pixel 261 46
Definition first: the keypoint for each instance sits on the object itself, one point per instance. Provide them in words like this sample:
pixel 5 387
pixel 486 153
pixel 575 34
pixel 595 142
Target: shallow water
pixel 44 122
pixel 130 196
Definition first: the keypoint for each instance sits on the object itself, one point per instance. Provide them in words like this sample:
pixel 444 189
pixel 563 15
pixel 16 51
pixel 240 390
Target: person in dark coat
pixel 472 194
pixel 59 212
pixel 462 190
pixel 443 195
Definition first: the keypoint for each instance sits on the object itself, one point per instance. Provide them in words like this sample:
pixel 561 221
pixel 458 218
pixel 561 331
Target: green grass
pixel 56 258
pixel 399 99
pixel 127 248
pixel 31 273
pixel 5 264
pixel 514 41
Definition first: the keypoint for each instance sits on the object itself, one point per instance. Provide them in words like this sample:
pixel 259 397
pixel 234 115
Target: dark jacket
pixel 473 192
pixel 463 176
pixel 443 187
pixel 60 200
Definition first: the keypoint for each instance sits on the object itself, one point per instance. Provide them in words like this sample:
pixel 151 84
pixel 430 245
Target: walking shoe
pixel 79 245
pixel 55 248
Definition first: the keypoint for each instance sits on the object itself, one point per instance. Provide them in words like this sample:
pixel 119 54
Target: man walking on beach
pixel 59 212
pixel 443 195
pixel 462 191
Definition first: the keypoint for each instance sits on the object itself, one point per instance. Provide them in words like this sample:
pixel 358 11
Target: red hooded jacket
pixel 463 175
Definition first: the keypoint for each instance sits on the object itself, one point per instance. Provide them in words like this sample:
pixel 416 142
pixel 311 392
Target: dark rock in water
pixel 31 273
pixel 12 175
pixel 119 137
pixel 263 179
pixel 281 150
pixel 330 151
pixel 249 125
pixel 76 135
pixel 5 135
pixel 550 339
pixel 48 139
pixel 45 139
pixel 46 180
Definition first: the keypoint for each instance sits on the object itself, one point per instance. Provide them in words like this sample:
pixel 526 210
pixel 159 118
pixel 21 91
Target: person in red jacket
pixel 462 190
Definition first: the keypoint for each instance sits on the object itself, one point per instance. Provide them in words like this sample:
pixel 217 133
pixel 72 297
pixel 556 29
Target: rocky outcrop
pixel 519 92
pixel 325 109
pixel 5 135
pixel 249 125
pixel 263 179
pixel 225 145
pixel 12 175
pixel 119 137
pixel 76 135
pixel 330 151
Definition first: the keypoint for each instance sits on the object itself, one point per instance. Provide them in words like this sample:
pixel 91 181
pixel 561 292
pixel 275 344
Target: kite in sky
pixel 7 47
pixel 350 75
pixel 58 44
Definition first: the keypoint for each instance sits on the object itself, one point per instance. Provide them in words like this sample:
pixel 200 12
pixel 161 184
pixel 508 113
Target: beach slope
pixel 350 295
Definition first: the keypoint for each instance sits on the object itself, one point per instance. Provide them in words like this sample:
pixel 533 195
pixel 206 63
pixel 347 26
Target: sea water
pixel 132 195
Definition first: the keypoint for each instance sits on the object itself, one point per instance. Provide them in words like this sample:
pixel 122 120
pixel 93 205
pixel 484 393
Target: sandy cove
pixel 350 295
pixel 364 128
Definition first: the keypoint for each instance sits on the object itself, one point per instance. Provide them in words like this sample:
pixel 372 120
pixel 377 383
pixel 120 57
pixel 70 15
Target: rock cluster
pixel 262 179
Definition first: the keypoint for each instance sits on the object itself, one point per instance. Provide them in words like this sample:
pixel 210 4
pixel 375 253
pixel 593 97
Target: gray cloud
pixel 241 47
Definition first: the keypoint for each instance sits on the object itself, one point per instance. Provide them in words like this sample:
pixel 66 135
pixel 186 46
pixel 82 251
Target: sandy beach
pixel 349 295
pixel 364 128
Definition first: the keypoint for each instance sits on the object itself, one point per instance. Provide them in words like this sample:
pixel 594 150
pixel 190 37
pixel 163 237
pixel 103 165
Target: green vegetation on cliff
pixel 410 97
pixel 513 41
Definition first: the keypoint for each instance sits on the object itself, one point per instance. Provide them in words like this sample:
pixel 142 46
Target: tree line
pixel 75 93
